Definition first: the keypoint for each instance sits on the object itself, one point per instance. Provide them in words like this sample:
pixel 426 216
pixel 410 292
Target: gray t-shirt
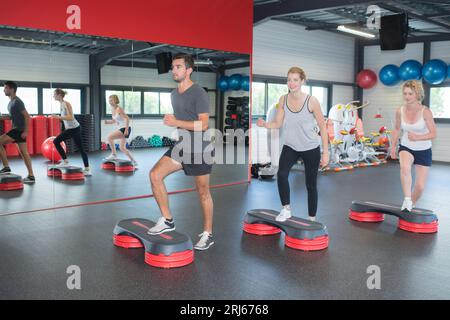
pixel 15 108
pixel 186 107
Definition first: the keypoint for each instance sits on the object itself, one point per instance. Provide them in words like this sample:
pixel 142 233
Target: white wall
pixel 278 45
pixel 43 65
pixel 384 99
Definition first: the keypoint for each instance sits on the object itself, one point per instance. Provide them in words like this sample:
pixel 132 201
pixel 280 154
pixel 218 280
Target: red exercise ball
pixel 49 150
pixel 366 79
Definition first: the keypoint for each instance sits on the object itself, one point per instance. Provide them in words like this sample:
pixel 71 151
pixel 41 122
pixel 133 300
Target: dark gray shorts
pixel 192 169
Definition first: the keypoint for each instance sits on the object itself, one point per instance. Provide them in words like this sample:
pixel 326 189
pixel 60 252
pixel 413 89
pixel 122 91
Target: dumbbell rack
pixel 237 116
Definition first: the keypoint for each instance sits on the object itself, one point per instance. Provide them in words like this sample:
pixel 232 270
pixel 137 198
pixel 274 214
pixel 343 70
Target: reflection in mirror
pixel 108 86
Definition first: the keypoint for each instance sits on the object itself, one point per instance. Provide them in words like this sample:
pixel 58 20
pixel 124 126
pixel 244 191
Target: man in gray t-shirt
pixel 18 134
pixel 191 108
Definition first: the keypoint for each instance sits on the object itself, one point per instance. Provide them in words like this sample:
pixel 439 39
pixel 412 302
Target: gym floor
pixel 38 247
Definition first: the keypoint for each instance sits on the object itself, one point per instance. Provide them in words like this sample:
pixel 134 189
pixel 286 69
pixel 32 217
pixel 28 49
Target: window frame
pixel 445 84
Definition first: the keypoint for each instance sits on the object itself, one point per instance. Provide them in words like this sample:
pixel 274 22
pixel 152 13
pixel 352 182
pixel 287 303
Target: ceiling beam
pixel 264 12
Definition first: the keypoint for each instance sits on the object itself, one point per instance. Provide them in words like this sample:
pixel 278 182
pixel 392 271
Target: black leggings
pixel 75 134
pixel 311 160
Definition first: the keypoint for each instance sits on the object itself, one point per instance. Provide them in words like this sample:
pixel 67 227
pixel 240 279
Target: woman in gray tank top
pixel 298 114
pixel 416 122
pixel 72 130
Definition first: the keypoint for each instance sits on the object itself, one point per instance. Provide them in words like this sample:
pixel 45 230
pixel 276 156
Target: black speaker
pixel 394 32
pixel 164 62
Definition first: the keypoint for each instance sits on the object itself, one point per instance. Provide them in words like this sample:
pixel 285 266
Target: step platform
pixel 118 165
pixel 10 182
pixel 65 172
pixel 417 221
pixel 300 234
pixel 166 250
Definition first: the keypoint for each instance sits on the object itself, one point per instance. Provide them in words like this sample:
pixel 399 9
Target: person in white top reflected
pixel 123 131
pixel 416 123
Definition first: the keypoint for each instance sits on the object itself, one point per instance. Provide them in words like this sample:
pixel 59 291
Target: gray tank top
pixel 300 128
pixel 71 124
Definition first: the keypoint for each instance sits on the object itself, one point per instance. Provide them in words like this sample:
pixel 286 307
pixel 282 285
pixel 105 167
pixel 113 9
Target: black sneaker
pixel 5 170
pixel 206 241
pixel 29 179
pixel 161 226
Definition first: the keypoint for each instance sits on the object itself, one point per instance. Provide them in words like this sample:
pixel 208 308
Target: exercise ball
pixel 235 81
pixel 434 71
pixel 448 71
pixel 49 150
pixel 366 79
pixel 223 83
pixel 245 83
pixel 410 70
pixel 389 75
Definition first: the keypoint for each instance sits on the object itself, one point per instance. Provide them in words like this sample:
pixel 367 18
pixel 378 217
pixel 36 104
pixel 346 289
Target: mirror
pixel 136 76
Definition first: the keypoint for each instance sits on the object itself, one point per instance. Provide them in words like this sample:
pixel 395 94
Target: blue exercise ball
pixel 245 83
pixel 235 81
pixel 410 70
pixel 389 75
pixel 448 71
pixel 435 71
pixel 223 83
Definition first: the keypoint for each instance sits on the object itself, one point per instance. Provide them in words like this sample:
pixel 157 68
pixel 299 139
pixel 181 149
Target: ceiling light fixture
pixel 356 32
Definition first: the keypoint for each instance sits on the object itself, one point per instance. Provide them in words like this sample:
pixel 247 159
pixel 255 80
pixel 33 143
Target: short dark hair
pixel 11 84
pixel 188 60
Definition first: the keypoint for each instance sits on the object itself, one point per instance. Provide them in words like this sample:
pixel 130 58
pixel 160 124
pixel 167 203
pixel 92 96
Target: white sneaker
pixel 63 164
pixel 206 241
pixel 161 226
pixel 135 164
pixel 111 157
pixel 284 215
pixel 313 219
pixel 407 205
pixel 87 172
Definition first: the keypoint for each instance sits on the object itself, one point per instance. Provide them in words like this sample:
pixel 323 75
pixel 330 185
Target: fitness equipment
pixel 417 221
pixel 65 172
pixel 155 141
pixel 410 70
pixel 118 165
pixel 245 83
pixel 389 75
pixel 300 234
pixel 166 250
pixel 234 81
pixel 10 181
pixel 222 83
pixel 366 79
pixel 49 150
pixel 435 71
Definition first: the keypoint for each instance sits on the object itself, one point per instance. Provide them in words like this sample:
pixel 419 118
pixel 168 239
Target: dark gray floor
pixel 103 184
pixel 37 248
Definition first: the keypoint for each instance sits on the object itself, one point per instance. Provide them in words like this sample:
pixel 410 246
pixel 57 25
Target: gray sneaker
pixel 206 241
pixel 161 226
pixel 29 179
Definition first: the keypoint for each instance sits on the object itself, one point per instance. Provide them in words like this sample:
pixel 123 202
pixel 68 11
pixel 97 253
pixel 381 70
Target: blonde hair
pixel 60 92
pixel 417 87
pixel 299 71
pixel 115 98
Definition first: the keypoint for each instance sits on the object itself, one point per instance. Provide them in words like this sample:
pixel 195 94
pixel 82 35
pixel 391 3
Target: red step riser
pixel 366 216
pixel 418 227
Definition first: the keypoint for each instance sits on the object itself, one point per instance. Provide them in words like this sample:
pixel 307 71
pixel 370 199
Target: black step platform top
pixel 166 243
pixel 9 177
pixel 119 162
pixel 417 215
pixel 294 227
pixel 65 169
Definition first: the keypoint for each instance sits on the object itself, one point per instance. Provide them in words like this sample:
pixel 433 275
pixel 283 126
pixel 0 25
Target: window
pixel 258 99
pixel 261 103
pixel 165 103
pixel 440 102
pixel 29 96
pixel 151 102
pixel 274 92
pixel 51 106
pixel 132 102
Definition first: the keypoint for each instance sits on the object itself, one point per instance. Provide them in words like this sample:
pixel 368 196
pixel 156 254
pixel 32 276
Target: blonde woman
pixel 416 123
pixel 298 115
pixel 123 131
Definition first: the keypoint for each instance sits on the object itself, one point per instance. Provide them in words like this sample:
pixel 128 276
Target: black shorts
pixel 16 134
pixel 123 131
pixel 421 157
pixel 196 164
